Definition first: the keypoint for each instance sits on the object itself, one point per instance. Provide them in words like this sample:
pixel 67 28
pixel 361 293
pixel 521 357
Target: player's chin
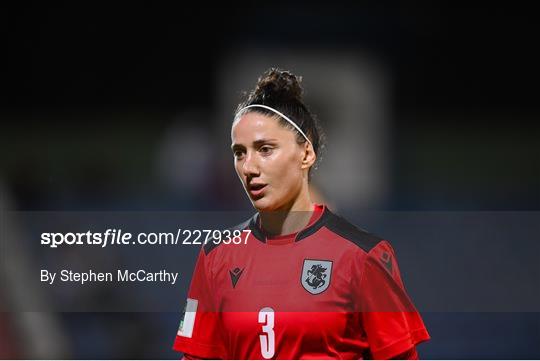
pixel 263 204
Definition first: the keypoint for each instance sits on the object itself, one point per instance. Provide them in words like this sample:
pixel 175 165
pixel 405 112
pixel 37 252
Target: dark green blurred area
pixel 440 163
pixel 110 155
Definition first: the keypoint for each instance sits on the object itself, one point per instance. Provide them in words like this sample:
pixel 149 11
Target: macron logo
pixel 235 275
pixel 387 261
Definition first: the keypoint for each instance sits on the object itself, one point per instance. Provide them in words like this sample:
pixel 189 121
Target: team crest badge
pixel 316 275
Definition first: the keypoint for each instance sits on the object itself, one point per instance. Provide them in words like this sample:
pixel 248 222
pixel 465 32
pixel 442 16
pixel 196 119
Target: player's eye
pixel 265 150
pixel 238 153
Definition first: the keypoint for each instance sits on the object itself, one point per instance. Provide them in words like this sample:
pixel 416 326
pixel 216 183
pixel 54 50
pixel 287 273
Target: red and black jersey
pixel 329 291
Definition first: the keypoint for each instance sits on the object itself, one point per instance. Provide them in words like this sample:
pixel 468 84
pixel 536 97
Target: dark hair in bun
pixel 278 85
pixel 281 90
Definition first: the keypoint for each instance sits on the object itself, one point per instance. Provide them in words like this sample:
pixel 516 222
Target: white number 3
pixel 268 341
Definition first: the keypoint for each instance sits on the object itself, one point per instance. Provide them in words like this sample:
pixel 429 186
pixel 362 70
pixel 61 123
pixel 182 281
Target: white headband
pixel 278 113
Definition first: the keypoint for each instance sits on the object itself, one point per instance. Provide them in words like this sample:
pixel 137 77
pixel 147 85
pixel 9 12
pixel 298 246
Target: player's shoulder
pixel 215 243
pixel 340 226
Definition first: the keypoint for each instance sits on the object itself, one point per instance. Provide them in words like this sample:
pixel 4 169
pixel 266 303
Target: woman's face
pixel 270 163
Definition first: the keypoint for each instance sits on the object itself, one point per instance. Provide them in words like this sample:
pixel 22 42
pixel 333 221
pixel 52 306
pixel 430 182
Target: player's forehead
pixel 254 126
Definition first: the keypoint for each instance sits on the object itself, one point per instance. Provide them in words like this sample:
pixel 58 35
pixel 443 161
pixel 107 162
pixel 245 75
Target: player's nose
pixel 250 167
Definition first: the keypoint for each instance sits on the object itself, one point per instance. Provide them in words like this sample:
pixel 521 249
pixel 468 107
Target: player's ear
pixel 308 155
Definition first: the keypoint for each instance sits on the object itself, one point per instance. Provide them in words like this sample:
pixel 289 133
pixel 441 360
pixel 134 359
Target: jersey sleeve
pixel 200 331
pixel 391 323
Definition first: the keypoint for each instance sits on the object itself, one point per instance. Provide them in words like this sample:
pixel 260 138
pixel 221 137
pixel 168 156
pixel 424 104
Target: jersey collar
pixel 259 233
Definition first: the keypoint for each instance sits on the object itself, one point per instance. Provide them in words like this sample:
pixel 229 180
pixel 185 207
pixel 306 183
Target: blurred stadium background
pixel 426 107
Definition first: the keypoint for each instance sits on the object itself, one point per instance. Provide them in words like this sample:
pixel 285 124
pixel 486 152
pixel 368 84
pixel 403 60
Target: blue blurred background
pixel 426 107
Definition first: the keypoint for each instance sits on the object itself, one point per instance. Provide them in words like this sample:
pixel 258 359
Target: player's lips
pixel 256 189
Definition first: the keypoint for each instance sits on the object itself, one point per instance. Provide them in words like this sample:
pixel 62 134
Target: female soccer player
pixel 306 284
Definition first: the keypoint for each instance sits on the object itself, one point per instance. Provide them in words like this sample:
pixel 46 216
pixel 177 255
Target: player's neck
pixel 289 219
